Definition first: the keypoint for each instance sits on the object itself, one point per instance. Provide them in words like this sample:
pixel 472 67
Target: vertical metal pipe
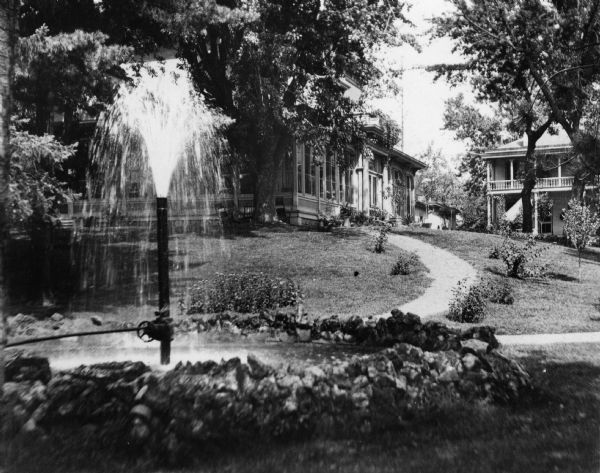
pixel 162 234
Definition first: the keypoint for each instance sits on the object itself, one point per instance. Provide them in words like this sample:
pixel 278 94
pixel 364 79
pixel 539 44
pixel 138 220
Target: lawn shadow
pixel 560 277
pixel 587 255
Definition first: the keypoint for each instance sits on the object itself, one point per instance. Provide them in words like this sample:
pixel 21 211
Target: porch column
pixel 559 169
pixel 318 187
pixel 386 191
pixel 512 170
pixel 337 184
pixel 355 184
pixel 324 182
pixel 297 176
pixel 489 211
pixel 489 173
pixel 365 183
pixel 535 213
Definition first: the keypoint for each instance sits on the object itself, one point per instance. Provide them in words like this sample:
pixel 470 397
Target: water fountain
pixel 161 136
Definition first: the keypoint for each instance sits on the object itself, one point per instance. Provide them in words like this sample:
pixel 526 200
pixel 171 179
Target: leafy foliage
pixel 438 182
pixel 580 225
pixel 35 192
pixel 538 59
pixel 499 292
pixel 380 238
pixel 468 303
pixel 70 73
pixel 480 132
pixel 243 292
pixel 278 68
pixel 520 258
pixel 406 263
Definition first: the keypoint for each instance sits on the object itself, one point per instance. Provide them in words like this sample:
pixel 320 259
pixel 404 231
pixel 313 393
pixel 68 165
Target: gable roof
pixel 547 144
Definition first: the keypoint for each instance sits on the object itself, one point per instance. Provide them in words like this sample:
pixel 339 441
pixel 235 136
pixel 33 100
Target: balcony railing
pixel 542 183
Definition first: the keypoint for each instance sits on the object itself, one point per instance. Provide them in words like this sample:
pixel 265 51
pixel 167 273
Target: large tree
pixel 539 57
pixel 479 132
pixel 277 68
pixel 7 41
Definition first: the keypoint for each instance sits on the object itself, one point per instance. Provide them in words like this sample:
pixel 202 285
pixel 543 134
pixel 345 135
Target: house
pixel 553 186
pixel 307 186
pixel 436 214
pixel 310 186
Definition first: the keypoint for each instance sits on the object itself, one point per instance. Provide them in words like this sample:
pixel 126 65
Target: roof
pixel 443 208
pixel 399 155
pixel 548 144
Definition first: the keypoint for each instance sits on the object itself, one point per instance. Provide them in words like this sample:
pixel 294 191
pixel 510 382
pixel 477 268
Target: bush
pixel 494 252
pixel 380 239
pixel 407 262
pixel 468 302
pixel 243 292
pixel 519 259
pixel 499 292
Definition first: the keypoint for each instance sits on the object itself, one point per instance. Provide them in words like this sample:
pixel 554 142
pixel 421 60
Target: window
pixel 309 172
pixel 286 173
pixel 349 197
pixel 299 172
pixel 373 190
pixel 330 177
pixel 545 227
pixel 134 190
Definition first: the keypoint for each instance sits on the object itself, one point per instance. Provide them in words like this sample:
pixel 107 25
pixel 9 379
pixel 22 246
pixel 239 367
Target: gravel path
pixel 445 269
pixel 549 338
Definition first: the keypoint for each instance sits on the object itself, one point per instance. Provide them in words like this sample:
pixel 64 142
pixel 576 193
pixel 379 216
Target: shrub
pixel 581 224
pixel 499 292
pixel 380 239
pixel 243 292
pixel 468 302
pixel 494 252
pixel 406 263
pixel 519 259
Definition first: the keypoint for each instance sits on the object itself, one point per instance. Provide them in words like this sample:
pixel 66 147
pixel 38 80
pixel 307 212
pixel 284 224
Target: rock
pixel 258 369
pixel 140 394
pixel 96 319
pixel 475 346
pixel 470 362
pixel 143 411
pixel 449 376
pixel 304 335
pixel 56 317
pixel 22 367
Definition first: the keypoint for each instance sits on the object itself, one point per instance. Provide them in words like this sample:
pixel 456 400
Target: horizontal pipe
pixel 69 335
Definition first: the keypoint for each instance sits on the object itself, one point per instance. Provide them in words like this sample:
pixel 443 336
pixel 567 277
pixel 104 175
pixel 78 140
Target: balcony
pixel 542 183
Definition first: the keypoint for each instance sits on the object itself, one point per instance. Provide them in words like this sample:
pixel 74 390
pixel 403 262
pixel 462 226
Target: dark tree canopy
pixel 277 68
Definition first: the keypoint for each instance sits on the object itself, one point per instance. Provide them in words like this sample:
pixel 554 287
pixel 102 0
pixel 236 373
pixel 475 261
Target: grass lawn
pixel 322 263
pixel 558 430
pixel 556 303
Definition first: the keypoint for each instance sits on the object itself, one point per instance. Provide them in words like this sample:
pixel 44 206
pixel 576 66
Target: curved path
pixel 445 269
pixel 549 338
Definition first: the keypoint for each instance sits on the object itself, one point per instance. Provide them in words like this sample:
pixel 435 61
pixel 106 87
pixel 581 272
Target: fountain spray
pixel 163 315
pixel 161 134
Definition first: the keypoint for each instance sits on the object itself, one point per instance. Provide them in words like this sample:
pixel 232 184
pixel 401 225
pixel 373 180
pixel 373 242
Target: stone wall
pixel 176 414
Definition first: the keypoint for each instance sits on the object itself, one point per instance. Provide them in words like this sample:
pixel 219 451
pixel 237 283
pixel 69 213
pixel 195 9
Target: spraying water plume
pixel 159 139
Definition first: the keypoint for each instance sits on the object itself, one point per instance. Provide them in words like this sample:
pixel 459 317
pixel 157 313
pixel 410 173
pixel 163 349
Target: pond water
pixel 70 353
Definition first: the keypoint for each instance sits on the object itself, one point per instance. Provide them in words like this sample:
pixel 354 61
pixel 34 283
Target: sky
pixel 423 97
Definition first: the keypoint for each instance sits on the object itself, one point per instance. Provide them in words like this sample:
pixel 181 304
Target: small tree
pixel 580 224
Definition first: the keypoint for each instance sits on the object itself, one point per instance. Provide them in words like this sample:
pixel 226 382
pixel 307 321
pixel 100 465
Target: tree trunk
pixel 7 37
pixel 267 175
pixel 578 189
pixel 528 186
pixel 531 173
